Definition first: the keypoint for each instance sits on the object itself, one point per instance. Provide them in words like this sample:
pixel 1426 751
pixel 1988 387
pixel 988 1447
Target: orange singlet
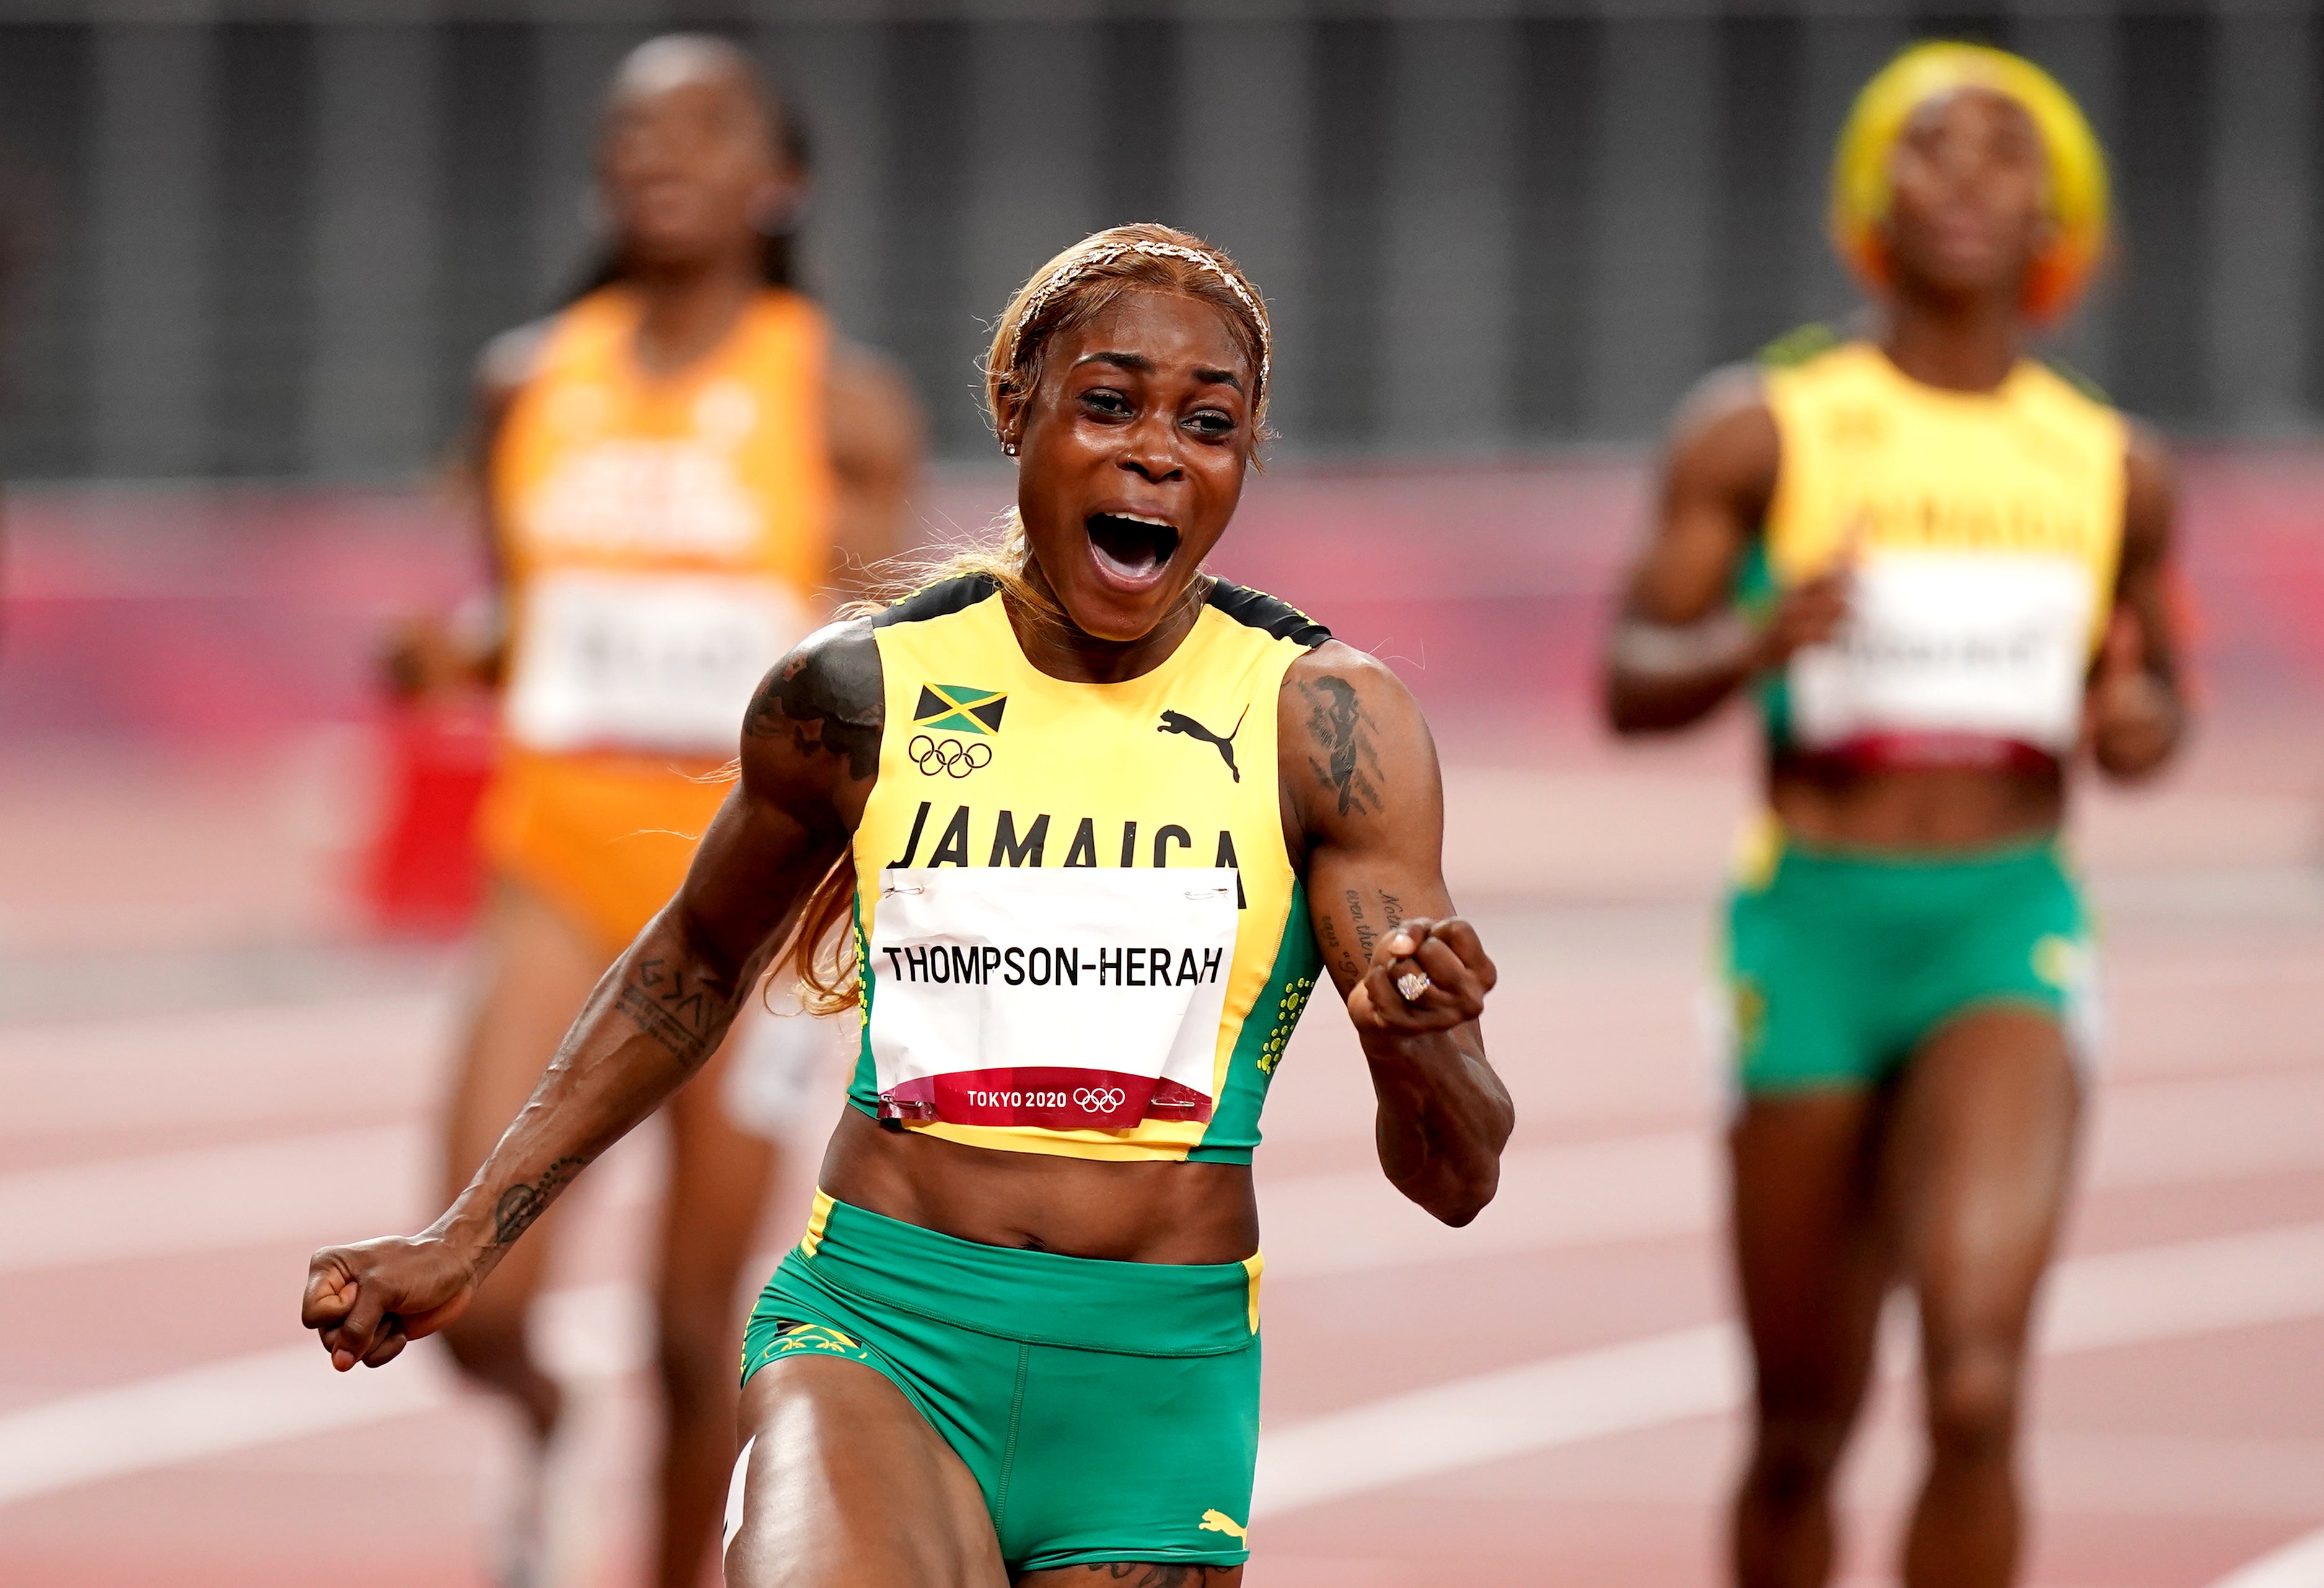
pixel 663 540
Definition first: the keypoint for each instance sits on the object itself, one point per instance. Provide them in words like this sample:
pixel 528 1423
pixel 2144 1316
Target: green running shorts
pixel 1839 963
pixel 1108 1411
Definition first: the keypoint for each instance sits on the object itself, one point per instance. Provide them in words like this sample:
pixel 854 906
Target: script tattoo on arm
pixel 519 1206
pixel 1351 768
pixel 1365 935
pixel 1334 951
pixel 827 697
pixel 679 1014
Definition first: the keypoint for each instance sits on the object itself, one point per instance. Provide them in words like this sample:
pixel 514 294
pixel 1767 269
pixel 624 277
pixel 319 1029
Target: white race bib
pixel 1994 647
pixel 1078 998
pixel 652 662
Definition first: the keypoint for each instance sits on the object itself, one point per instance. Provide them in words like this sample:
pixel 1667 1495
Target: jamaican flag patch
pixel 959 708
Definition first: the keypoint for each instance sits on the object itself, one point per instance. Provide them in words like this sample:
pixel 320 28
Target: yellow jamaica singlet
pixel 663 539
pixel 1078 927
pixel 1985 528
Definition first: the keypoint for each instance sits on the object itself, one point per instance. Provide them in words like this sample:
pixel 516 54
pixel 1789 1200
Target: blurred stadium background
pixel 253 246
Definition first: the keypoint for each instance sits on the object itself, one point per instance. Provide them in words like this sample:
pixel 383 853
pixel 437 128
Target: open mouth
pixel 1131 548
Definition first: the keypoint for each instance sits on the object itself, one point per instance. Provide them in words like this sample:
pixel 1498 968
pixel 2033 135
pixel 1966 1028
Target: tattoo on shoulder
pixel 1344 731
pixel 679 1013
pixel 826 697
pixel 519 1206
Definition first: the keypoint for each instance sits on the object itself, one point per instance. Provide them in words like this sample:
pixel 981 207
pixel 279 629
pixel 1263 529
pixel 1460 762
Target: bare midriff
pixel 1830 803
pixel 1140 1212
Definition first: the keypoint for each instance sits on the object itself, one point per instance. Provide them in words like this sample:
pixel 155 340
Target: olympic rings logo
pixel 1100 1099
pixel 948 755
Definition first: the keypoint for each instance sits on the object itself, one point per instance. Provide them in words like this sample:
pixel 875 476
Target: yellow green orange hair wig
pixel 1924 72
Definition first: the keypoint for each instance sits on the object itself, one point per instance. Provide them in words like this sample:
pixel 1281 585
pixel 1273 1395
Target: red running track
pixel 209 1070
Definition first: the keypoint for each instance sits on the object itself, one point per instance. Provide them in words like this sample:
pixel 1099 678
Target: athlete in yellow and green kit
pixel 1939 563
pixel 1089 824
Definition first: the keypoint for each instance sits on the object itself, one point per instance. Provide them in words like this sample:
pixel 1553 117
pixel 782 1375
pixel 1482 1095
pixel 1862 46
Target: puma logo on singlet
pixel 1179 722
pixel 1218 1521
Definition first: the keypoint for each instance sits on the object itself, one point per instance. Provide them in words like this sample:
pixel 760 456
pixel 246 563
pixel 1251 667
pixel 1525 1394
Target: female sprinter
pixel 674 466
pixel 1963 556
pixel 1091 819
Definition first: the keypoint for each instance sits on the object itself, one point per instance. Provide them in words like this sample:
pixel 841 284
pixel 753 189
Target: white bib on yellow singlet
pixel 646 661
pixel 1083 997
pixel 1952 643
pixel 1984 530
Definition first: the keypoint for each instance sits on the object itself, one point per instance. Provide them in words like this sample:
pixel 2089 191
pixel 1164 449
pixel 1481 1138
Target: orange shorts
pixel 605 839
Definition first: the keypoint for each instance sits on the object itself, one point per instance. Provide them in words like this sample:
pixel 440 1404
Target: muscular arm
pixel 1679 647
pixel 434 655
pixel 874 426
pixel 811 750
pixel 2137 713
pixel 1362 790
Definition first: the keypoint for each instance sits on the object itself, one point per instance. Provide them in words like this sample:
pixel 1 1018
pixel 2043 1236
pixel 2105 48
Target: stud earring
pixel 1009 447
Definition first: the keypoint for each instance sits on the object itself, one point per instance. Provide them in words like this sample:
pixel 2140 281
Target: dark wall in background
pixel 269 246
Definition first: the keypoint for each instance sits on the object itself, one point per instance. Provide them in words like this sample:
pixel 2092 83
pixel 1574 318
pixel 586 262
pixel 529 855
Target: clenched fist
pixel 1426 975
pixel 367 1301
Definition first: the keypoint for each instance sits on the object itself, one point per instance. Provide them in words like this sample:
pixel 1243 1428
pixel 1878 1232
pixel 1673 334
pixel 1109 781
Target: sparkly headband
pixel 1113 250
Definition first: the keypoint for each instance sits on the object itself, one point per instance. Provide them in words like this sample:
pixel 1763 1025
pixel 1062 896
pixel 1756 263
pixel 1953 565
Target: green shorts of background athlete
pixel 1840 964
pixel 1108 1411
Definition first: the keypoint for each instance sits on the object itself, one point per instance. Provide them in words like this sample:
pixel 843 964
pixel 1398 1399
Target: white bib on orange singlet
pixel 1952 643
pixel 646 661
pixel 1068 998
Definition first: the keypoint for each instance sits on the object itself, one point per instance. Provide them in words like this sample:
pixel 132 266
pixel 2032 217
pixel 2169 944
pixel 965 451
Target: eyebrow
pixel 1138 363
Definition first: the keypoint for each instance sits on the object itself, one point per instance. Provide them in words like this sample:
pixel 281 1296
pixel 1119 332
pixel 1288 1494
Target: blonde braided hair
pixel 1089 277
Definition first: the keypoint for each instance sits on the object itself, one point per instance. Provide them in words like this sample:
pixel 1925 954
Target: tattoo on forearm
pixel 829 700
pixel 519 1206
pixel 679 1014
pixel 1393 908
pixel 1336 718
pixel 1365 935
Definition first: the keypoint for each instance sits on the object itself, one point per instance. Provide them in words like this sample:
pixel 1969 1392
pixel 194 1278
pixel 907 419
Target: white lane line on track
pixel 1670 1183
pixel 1560 1401
pixel 209 1410
pixel 2144 1294
pixel 286 1393
pixel 1576 1194
pixel 2122 1298
pixel 2298 1565
pixel 236 1067
pixel 206 1199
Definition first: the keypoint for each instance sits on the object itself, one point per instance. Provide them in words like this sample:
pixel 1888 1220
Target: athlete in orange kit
pixel 674 467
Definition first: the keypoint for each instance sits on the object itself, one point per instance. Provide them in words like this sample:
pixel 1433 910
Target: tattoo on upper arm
pixel 1393 908
pixel 519 1206
pixel 1337 955
pixel 1365 936
pixel 679 1014
pixel 826 698
pixel 1337 720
